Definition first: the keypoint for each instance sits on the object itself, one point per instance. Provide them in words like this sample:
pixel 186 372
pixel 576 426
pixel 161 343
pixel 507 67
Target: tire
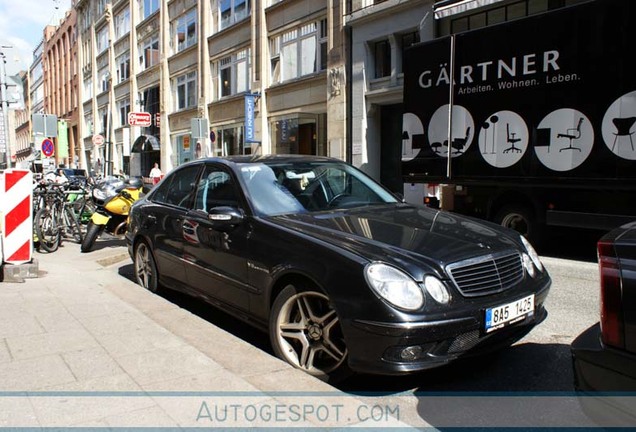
pixel 305 332
pixel 72 226
pixel 92 232
pixel 146 273
pixel 48 233
pixel 522 220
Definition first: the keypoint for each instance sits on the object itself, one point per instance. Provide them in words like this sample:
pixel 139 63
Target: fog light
pixel 411 353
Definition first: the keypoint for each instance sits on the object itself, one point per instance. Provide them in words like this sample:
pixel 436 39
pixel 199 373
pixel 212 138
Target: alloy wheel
pixel 308 332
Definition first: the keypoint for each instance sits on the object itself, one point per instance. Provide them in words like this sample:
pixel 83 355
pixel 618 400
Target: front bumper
pixel 376 347
pixel 598 368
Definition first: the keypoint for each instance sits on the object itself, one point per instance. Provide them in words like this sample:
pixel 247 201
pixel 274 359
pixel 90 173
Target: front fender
pixel 99 219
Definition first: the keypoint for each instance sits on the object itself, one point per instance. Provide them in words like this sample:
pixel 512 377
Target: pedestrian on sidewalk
pixel 155 174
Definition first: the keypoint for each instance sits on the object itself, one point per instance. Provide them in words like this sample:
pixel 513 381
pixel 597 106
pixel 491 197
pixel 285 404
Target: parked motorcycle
pixel 113 198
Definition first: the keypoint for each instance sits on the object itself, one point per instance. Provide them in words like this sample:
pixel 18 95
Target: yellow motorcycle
pixel 113 199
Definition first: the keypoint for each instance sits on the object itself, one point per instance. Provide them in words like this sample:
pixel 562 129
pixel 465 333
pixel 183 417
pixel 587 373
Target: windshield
pixel 298 187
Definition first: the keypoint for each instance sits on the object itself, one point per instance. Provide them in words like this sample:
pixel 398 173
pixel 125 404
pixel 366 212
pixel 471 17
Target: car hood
pixel 403 234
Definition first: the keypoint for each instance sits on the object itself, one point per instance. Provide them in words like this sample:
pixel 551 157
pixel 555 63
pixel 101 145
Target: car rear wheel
pixel 145 268
pixel 305 331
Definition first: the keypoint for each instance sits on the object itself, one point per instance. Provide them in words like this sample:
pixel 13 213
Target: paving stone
pixel 19 323
pixel 154 417
pixel 5 355
pixel 35 373
pixel 64 410
pixel 91 363
pixel 17 412
pixel 136 342
pixel 159 365
pixel 50 343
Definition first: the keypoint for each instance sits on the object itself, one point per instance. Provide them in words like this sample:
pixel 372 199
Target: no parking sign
pixel 47 147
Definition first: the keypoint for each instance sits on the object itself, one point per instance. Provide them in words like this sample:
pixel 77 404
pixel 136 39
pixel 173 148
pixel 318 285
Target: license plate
pixel 510 313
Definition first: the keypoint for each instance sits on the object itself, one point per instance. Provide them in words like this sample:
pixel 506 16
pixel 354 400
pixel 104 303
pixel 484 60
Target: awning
pixel 145 143
pixel 446 8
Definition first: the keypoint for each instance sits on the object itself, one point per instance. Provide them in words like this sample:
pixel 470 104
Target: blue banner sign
pixel 249 118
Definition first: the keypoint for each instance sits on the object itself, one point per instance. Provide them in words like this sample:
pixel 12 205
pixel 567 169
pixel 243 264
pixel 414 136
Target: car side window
pixel 179 191
pixel 215 189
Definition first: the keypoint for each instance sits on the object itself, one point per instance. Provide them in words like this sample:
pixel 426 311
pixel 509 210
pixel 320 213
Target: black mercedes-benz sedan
pixel 336 269
pixel 604 355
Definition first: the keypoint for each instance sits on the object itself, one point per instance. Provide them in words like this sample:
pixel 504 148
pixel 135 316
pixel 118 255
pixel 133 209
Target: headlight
pixel 394 286
pixel 98 194
pixel 532 253
pixel 436 289
pixel 527 263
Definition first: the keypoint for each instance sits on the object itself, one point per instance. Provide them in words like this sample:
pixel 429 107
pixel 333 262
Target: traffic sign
pixel 98 140
pixel 47 147
pixel 139 119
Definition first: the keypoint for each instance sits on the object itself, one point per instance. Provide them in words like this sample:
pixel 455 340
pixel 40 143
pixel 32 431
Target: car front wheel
pixel 305 331
pixel 146 273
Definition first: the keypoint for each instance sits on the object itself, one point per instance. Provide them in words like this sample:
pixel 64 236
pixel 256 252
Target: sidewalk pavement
pixel 82 345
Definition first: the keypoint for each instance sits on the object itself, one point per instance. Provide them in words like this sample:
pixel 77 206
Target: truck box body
pixel 542 120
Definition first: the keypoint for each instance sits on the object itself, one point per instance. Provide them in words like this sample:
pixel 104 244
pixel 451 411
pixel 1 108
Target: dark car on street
pixel 604 355
pixel 338 270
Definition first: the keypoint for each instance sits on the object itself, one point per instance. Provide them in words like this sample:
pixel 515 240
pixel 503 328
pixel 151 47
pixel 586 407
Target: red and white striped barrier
pixel 16 208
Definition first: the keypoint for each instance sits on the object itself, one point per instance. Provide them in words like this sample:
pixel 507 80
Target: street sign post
pixel 143 119
pixel 48 149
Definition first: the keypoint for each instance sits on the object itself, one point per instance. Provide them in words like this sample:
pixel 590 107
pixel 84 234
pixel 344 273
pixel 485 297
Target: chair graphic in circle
pixel 510 138
pixel 572 134
pixel 459 143
pixel 623 125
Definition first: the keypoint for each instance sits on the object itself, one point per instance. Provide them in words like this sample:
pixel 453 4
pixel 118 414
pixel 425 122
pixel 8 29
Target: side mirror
pixel 224 218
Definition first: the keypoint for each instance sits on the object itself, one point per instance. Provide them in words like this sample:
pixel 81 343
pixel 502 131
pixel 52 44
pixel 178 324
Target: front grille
pixel 488 274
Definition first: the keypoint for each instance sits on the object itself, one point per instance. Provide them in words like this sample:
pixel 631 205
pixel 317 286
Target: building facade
pixel 380 31
pixel 251 77
pixel 60 82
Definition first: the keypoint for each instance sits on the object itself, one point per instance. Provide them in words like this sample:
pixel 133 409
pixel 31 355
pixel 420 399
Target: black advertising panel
pixel 552 96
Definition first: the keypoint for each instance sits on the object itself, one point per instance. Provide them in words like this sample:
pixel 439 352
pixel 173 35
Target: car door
pixel 216 259
pixel 165 216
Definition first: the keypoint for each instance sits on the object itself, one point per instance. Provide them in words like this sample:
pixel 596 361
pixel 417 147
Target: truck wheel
pixel 521 220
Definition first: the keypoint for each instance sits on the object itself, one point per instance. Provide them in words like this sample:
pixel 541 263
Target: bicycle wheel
pixel 49 234
pixel 71 226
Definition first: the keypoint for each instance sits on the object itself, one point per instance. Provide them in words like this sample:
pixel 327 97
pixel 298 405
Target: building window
pixel 232 11
pixel 148 53
pixel 123 67
pixel 102 40
pixel 122 23
pixel 186 91
pixel 102 114
pixel 88 88
pixel 147 8
pixel 234 73
pixel 101 7
pixel 304 134
pixel 123 108
pixel 104 77
pixel 299 52
pixel 407 40
pixel 86 20
pixel 88 124
pixel 229 141
pixel 382 58
pixel 185 30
